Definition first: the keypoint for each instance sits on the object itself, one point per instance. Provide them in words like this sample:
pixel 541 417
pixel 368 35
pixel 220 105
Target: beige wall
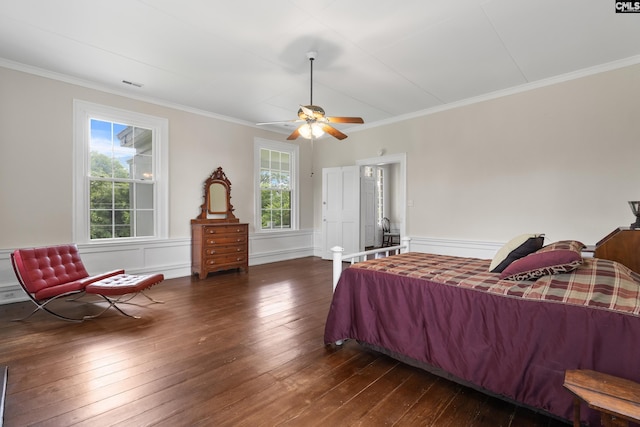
pixel 36 143
pixel 561 160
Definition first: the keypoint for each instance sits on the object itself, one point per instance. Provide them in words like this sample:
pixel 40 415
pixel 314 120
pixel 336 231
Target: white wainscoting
pixel 171 257
pixel 456 247
pixel 270 247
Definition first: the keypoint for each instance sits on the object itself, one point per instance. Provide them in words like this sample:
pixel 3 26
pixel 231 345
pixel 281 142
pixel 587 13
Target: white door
pixel 340 209
pixel 368 210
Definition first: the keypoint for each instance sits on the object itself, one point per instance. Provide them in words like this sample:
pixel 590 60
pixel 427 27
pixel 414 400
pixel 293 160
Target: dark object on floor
pixel 3 390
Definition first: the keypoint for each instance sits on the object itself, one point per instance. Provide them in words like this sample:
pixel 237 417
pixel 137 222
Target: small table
pixel 617 399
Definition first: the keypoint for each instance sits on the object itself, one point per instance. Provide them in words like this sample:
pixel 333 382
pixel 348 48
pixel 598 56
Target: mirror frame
pixel 217 177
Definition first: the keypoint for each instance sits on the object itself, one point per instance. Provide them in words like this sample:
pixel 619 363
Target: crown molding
pixel 17 66
pixel 574 75
pixel 610 66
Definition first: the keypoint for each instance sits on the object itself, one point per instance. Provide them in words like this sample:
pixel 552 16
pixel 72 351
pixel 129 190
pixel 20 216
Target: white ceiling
pixel 246 60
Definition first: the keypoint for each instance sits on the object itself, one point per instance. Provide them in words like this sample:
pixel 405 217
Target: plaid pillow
pixel 569 245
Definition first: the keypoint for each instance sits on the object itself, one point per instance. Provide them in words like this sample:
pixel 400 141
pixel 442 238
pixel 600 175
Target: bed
pixel 508 335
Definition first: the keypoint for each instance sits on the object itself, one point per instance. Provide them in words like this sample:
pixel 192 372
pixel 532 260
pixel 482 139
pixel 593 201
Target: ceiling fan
pixel 314 121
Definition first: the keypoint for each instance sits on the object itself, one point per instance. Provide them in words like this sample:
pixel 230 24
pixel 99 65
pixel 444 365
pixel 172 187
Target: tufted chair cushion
pixel 54 270
pixel 122 284
pixel 50 267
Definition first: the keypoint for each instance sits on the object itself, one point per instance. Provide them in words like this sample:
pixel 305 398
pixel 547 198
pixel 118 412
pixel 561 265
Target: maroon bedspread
pixel 508 344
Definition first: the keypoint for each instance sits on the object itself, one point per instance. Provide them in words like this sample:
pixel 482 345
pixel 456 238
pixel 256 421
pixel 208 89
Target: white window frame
pixel 83 112
pixel 294 152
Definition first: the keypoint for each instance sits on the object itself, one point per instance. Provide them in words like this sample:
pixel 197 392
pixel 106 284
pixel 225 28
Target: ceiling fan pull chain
pixel 311 85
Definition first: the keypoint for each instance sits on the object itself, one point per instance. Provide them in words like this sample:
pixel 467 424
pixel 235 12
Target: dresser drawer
pixel 225 229
pixel 224 239
pixel 225 260
pixel 229 249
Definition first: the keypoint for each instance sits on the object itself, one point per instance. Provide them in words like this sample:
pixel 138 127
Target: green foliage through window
pixel 120 181
pixel 275 189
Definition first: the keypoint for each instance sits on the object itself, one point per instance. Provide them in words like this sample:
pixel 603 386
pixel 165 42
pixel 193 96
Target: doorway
pixel 383 194
pixel 342 208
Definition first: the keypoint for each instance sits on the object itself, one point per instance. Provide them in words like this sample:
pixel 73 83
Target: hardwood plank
pixel 351 411
pixel 232 349
pixel 389 409
pixel 464 408
pixel 323 406
pixel 433 406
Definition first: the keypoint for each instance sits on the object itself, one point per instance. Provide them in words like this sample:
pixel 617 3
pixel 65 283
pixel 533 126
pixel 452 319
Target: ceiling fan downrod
pixel 311 55
pixel 315 122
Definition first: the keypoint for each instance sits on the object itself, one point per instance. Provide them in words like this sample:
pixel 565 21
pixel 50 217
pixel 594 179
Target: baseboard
pixel 10 293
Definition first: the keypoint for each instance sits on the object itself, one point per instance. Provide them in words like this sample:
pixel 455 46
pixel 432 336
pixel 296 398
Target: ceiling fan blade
pixel 333 132
pixel 280 122
pixel 314 116
pixel 294 135
pixel 345 120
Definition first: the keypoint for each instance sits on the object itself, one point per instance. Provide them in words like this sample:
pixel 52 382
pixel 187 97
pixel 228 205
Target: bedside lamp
pixel 635 208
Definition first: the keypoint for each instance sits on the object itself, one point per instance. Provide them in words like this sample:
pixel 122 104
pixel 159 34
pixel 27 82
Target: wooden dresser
pixel 621 245
pixel 217 246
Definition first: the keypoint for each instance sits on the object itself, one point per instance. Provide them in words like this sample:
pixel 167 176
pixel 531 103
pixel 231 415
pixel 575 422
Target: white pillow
pixel 514 249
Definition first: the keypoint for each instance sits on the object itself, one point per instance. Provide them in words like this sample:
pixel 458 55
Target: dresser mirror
pixel 217 198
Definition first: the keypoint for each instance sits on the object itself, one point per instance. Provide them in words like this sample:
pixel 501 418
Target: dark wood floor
pixel 233 349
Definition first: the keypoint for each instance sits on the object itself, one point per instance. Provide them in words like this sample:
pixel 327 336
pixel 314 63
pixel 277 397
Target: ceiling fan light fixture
pixel 316 122
pixel 311 130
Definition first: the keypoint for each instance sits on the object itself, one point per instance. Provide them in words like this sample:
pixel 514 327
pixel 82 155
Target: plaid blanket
pixel 596 283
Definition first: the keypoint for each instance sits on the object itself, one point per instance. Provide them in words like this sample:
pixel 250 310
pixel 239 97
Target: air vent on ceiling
pixel 130 83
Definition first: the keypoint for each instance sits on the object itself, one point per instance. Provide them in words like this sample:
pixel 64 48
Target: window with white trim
pixel 121 172
pixel 276 185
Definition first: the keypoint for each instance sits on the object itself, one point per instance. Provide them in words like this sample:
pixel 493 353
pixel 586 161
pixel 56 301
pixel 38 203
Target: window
pixel 380 189
pixel 377 172
pixel 120 174
pixel 276 188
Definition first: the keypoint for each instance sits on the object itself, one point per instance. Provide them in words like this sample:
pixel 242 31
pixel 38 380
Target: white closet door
pixel 340 209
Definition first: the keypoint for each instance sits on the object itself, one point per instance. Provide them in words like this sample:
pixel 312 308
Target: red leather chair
pixel 52 272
